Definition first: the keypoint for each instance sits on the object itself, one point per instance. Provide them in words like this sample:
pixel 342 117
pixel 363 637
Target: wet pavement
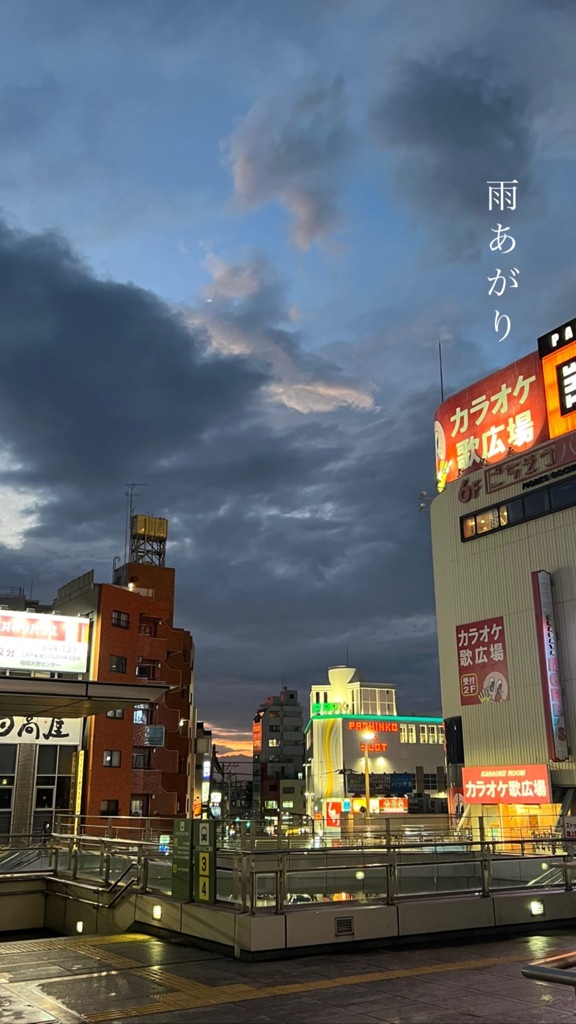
pixel 140 979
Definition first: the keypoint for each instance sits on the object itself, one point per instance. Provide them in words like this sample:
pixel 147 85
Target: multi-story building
pixel 278 757
pixel 138 757
pixel 503 534
pixel 138 764
pixel 356 740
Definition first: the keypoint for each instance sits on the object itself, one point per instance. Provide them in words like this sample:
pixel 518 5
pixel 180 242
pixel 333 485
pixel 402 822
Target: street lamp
pixel 367 737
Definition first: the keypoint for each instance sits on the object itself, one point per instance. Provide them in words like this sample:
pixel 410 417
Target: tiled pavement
pixel 137 978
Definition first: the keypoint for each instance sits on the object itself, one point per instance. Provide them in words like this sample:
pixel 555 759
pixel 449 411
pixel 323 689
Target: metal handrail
pixel 553 970
pixel 115 884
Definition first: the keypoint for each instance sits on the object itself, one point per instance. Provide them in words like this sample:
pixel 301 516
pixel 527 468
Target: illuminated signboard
pixel 257 735
pixel 373 726
pixel 325 709
pixel 501 414
pixel 393 805
pixel 43 643
pixel 549 668
pixel 559 371
pixel 482 662
pixel 333 813
pixel 557 338
pixel 507 784
pixel 43 731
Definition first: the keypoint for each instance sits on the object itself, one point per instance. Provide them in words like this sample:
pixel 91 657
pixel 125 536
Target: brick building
pixel 138 763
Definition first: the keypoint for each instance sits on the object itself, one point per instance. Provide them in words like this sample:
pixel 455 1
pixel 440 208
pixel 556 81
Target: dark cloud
pixel 98 377
pixel 454 127
pixel 292 536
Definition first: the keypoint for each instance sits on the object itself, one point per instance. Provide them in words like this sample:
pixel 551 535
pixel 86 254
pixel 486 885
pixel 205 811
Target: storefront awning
pixel 59 698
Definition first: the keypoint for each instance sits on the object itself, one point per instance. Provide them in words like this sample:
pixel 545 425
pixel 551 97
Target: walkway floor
pixel 141 979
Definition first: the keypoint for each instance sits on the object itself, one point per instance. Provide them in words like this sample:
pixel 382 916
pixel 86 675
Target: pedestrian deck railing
pixel 554 970
pixel 271 880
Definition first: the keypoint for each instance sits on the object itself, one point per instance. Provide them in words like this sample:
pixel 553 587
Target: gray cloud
pixel 289 151
pixel 292 536
pixel 454 127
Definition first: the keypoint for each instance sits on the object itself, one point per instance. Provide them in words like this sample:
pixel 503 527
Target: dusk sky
pixel 232 234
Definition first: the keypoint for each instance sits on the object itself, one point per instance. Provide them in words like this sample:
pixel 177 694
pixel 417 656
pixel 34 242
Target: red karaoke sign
pixel 482 662
pixel 507 784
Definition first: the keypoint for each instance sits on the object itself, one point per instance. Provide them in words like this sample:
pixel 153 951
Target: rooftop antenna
pixel 129 495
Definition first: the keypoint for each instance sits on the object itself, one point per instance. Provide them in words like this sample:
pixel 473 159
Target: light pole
pixel 367 737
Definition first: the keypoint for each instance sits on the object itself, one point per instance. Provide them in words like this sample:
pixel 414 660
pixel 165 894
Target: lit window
pixel 403 732
pixel 469 527
pixel 112 758
pixel 487 521
pixel 432 735
pixel 423 734
pixel 142 714
pixel 288 803
pixel 411 734
pixel 273 743
pixel 115 713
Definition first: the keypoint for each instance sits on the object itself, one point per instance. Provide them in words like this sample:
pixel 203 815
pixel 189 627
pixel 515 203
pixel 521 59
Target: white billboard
pixel 51 731
pixel 36 642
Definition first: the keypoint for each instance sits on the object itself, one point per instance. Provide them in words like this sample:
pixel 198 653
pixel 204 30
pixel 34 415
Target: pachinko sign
pixel 43 643
pixel 507 784
pixel 482 662
pixel 500 415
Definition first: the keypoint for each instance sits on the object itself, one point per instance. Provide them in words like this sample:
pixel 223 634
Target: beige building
pixel 355 731
pixel 504 548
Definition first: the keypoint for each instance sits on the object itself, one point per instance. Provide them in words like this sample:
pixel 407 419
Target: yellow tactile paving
pixel 188 994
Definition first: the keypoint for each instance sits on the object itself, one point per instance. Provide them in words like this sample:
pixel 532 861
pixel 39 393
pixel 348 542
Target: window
pixel 536 504
pixel 369 701
pixel 142 714
pixel 139 806
pixel 116 713
pixel 288 803
pixel 121 619
pixel 117 664
pixel 468 527
pixel 432 734
pixel 112 758
pixel 141 758
pixel 430 781
pixel 289 789
pixel 423 734
pixel 563 495
pixel 270 805
pixel 403 732
pixel 531 505
pixel 411 734
pixel 486 521
pixel 273 743
pixel 274 728
pixel 273 714
pixel 108 807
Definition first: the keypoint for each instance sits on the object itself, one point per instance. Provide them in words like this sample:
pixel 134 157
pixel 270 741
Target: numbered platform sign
pixel 205 861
